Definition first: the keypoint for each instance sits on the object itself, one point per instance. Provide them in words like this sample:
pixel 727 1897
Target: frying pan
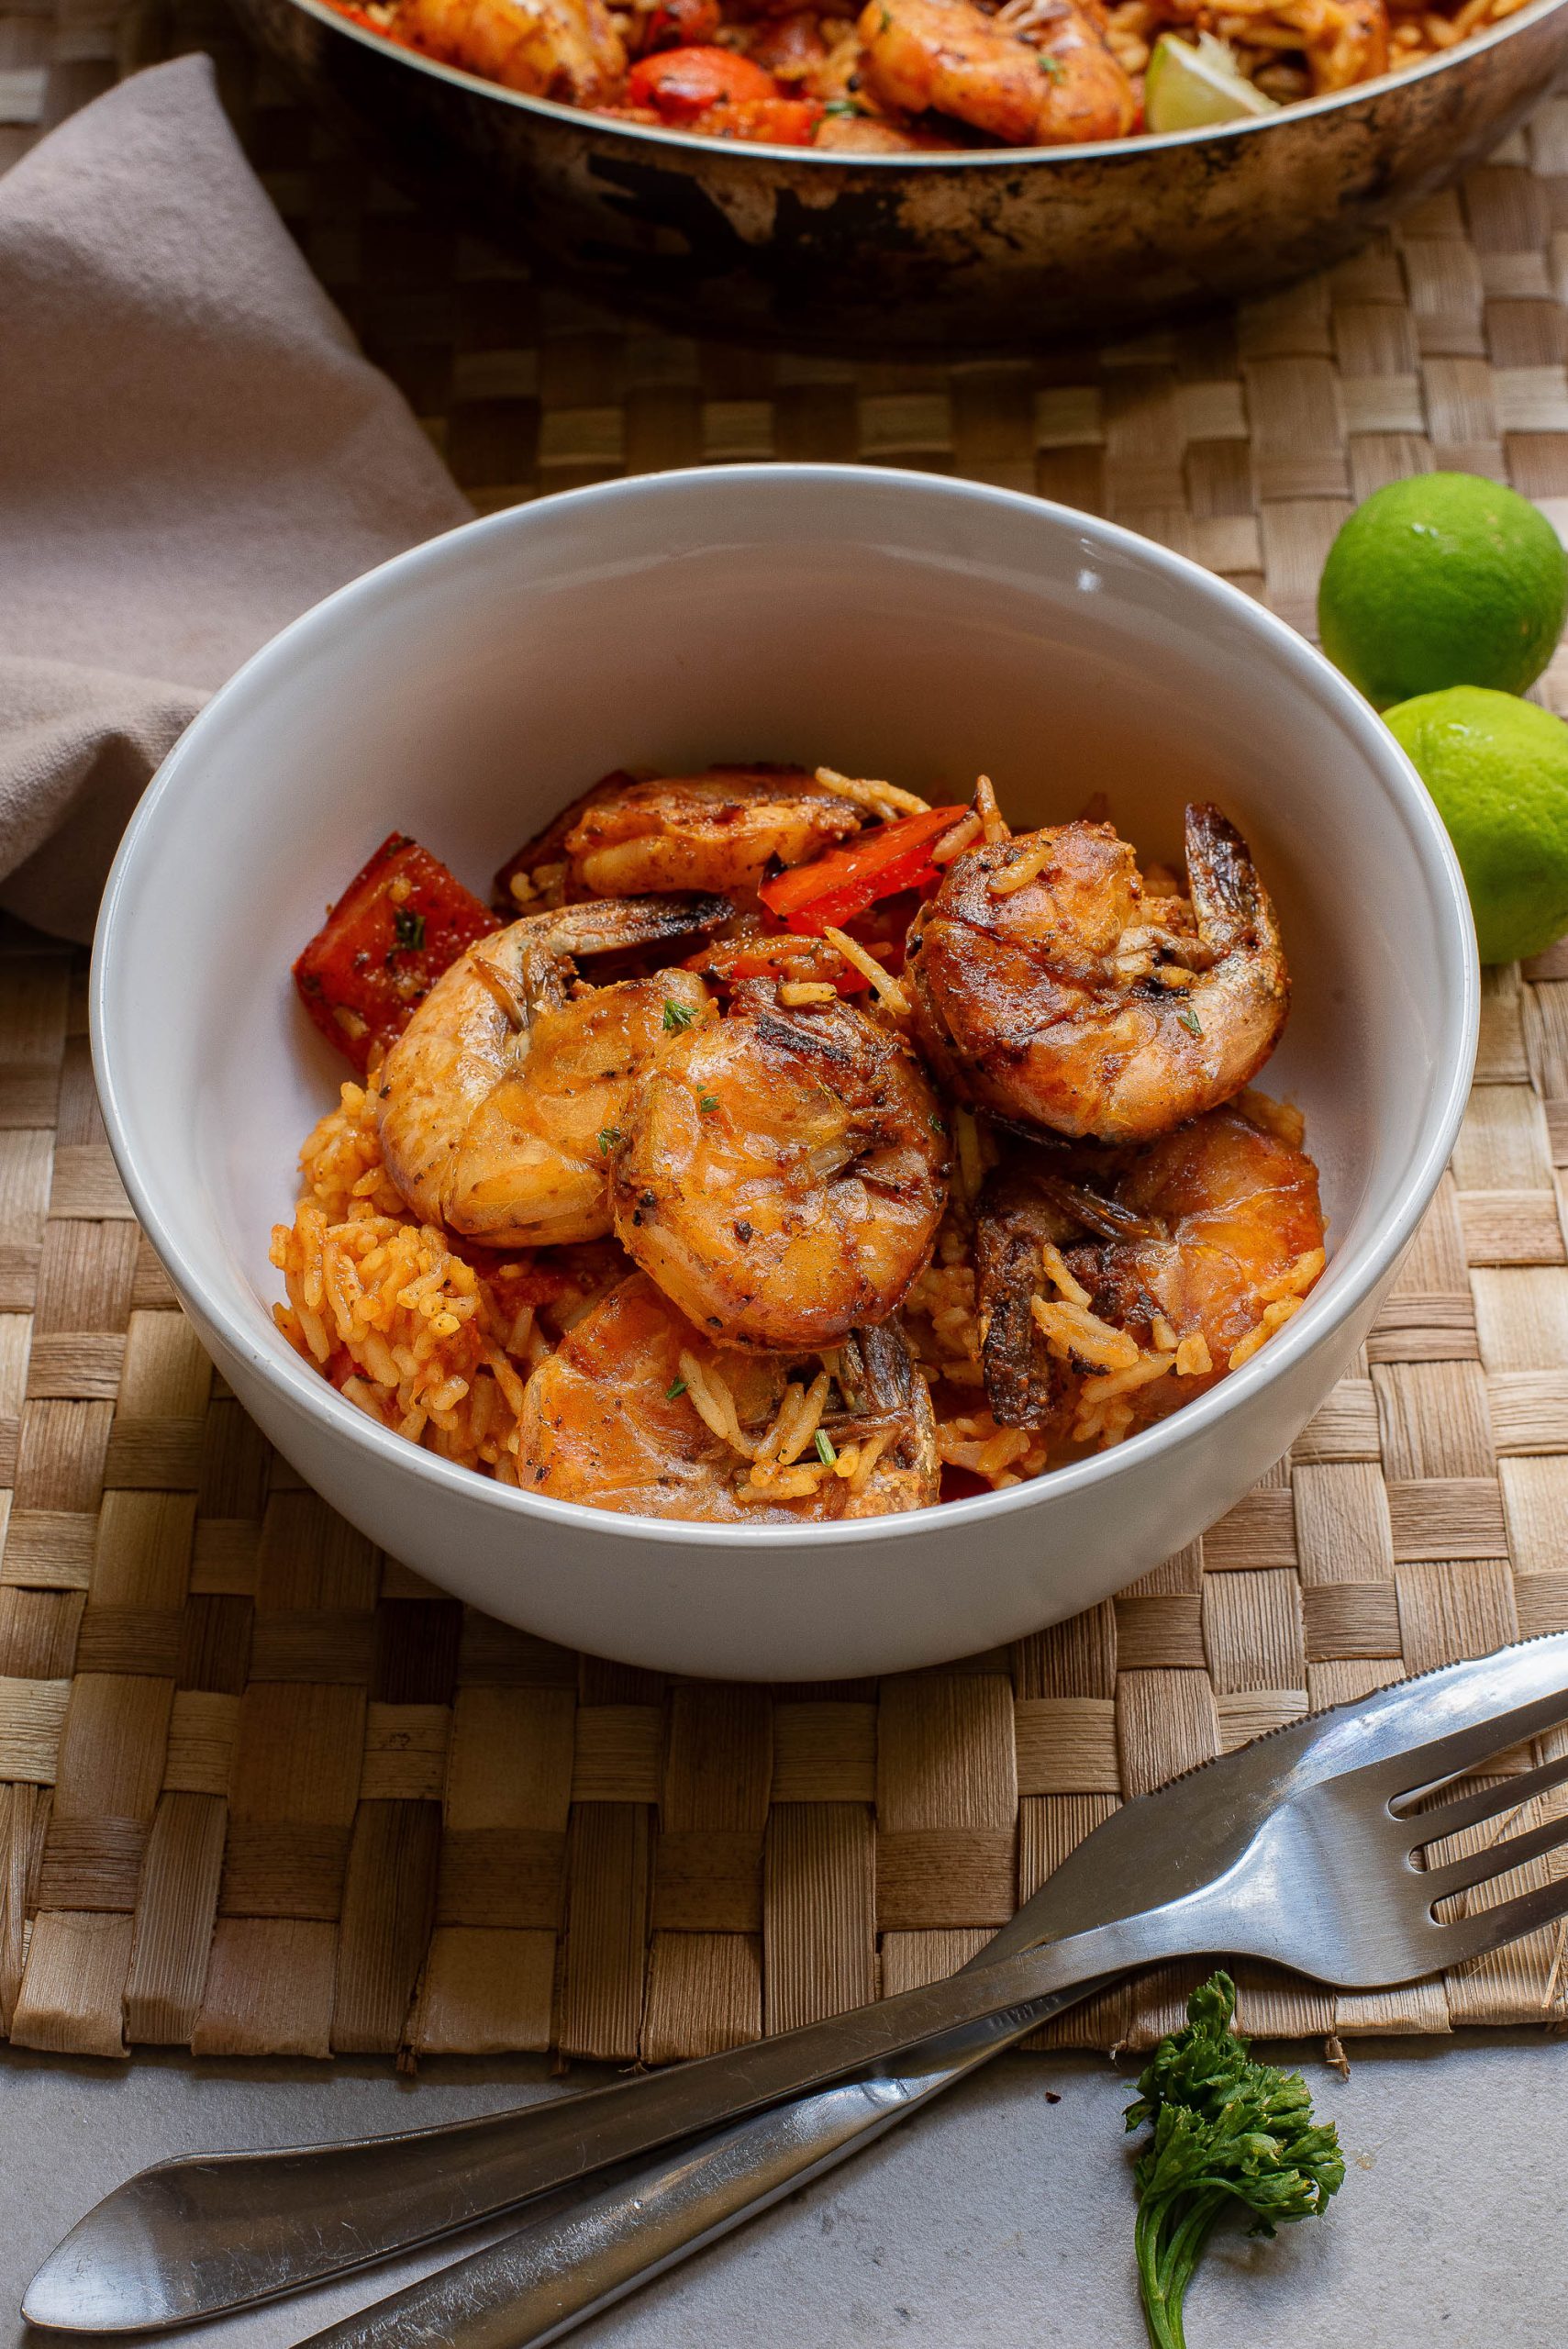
pixel 986 252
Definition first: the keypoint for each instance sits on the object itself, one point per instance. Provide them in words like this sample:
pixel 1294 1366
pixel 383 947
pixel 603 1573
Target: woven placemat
pixel 262 1790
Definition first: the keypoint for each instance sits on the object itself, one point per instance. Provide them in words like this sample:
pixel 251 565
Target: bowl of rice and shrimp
pixel 841 1439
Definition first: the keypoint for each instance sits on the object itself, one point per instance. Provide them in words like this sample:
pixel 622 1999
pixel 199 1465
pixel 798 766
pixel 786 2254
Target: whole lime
pixel 1442 579
pixel 1498 770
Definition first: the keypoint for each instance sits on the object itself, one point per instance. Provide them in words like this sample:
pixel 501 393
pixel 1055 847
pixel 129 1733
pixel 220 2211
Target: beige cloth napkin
pixel 192 451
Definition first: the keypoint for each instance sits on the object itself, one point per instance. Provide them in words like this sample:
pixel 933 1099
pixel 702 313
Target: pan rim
pixel 984 159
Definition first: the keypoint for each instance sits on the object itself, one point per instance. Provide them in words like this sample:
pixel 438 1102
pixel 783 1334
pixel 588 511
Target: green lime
pixel 1498 770
pixel 1445 579
pixel 1189 85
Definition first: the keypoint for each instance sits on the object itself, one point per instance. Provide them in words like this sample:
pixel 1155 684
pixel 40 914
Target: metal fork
pixel 1300 1849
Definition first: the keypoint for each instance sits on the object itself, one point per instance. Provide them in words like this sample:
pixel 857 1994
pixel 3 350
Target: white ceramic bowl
pixel 887 623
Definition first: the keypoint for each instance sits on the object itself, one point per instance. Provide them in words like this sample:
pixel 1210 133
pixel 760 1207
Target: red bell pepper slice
pixel 880 862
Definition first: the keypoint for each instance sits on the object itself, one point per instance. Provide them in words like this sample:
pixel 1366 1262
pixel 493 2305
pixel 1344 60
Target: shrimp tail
pixel 1232 906
pixel 617 925
pixel 1016 1216
pixel 893 1410
pixel 889 1370
pixel 543 946
pixel 1107 1218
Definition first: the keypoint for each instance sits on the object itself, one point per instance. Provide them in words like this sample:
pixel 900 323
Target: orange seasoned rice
pixel 438 1346
pixel 439 1350
pixel 378 1301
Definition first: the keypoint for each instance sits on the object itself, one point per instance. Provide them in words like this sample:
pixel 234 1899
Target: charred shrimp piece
pixel 500 1104
pixel 1020 1229
pixel 636 1410
pixel 719 831
pixel 885 1409
pixel 784 1173
pixel 1052 993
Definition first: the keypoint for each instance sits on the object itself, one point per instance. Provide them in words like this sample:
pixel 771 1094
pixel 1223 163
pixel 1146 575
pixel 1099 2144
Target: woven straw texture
pixel 262 1790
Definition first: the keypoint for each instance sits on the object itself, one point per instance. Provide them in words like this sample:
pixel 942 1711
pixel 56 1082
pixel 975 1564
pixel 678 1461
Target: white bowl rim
pixel 1328 1307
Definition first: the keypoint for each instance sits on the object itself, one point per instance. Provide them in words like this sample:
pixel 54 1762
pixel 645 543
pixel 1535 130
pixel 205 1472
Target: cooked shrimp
pixel 1050 991
pixel 717 831
pixel 1232 1240
pixel 568 49
pixel 1059 84
pixel 636 1411
pixel 784 1173
pixel 501 1102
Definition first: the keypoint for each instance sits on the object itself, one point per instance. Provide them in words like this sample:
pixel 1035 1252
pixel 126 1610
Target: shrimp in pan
pixel 636 1411
pixel 501 1102
pixel 1050 991
pixel 568 49
pixel 784 1173
pixel 1047 83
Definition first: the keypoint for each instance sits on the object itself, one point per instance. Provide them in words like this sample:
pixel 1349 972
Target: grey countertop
pixel 998 2219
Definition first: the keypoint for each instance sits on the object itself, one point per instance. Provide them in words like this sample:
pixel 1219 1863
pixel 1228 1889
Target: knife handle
pixel 217 2233
pixel 540 2281
pixel 196 2236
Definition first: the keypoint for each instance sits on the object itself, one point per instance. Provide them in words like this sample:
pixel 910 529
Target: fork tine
pixel 1470 1937
pixel 1479 1867
pixel 1490 1802
pixel 1426 1768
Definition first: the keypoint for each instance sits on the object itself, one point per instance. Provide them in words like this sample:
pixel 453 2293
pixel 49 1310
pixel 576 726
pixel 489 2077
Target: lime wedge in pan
pixel 1189 87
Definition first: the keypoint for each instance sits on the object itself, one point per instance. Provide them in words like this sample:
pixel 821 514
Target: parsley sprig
pixel 1226 2130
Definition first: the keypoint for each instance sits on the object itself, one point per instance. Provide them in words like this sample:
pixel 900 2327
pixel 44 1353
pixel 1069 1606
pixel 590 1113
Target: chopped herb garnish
pixel 408 929
pixel 676 1018
pixel 672 1393
pixel 824 1452
pixel 706 1104
pixel 842 106
pixel 936 1125
pixel 1190 1021
pixel 1226 2130
pixel 609 1138
pixel 1049 65
pixel 886 24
